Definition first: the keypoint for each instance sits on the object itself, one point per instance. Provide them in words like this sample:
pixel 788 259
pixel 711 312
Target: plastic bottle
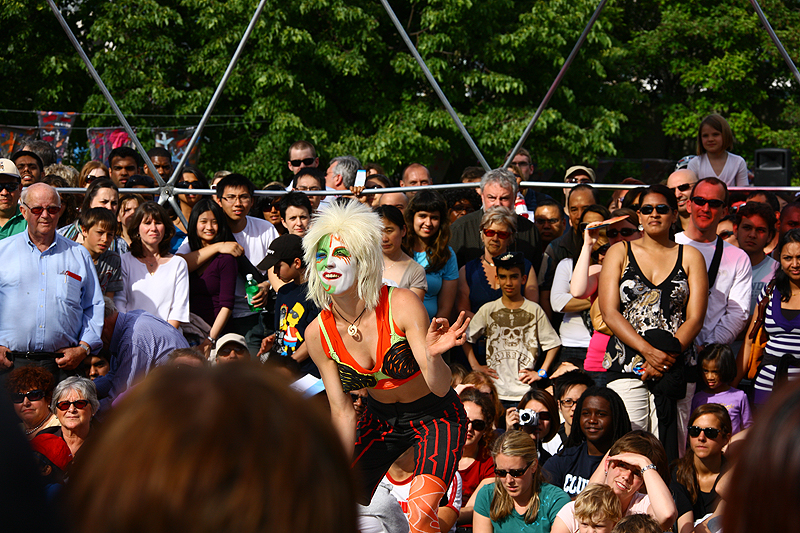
pixel 251 288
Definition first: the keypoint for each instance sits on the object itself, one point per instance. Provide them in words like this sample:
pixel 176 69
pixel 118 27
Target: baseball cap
pixel 285 248
pixel 8 168
pixel 230 337
pixel 582 170
pixel 510 259
pixel 54 448
pixel 140 180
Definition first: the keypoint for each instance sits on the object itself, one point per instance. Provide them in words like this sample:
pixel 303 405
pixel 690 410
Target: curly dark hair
pixel 29 378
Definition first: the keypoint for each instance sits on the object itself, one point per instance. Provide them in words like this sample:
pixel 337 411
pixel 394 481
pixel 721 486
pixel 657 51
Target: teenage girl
pixel 714 139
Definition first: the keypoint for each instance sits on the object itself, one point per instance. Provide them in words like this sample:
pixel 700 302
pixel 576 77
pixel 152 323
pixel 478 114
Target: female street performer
pixel 373 336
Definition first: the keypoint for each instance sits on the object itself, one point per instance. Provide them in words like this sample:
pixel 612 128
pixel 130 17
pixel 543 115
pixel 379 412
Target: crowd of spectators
pixel 620 348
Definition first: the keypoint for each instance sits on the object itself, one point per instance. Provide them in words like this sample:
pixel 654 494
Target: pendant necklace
pixel 352 329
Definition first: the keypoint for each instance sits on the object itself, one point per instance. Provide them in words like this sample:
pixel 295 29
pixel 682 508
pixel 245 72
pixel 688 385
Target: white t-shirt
pixel 734 173
pixel 729 298
pixel 513 338
pixel 255 238
pixel 762 275
pixel 573 331
pixel 164 294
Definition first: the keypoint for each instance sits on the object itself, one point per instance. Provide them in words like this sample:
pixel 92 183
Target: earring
pixel 641 228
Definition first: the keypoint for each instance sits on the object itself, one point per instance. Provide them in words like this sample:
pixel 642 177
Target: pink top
pixel 638 505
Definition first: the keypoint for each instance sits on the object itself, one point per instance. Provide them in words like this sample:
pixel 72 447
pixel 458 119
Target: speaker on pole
pixel 773 167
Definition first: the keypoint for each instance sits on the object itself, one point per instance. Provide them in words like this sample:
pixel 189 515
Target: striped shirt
pixel 784 341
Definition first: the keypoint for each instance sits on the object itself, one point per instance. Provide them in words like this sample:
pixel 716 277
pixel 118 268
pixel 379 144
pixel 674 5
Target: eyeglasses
pixel 38 210
pixel 712 203
pixel 625 232
pixel 308 161
pixel 661 209
pixel 31 395
pixel 541 221
pixel 242 198
pixel 683 187
pixel 516 472
pixel 9 186
pixel 579 179
pixel 726 234
pixel 711 433
pixel 188 185
pixel 567 403
pixel 307 188
pixel 478 425
pixel 502 234
pixel 79 404
pixel 225 351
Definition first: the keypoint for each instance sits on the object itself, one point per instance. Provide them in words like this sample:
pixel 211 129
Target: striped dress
pixel 784 341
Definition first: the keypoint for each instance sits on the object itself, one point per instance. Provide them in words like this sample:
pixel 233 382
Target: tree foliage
pixel 336 73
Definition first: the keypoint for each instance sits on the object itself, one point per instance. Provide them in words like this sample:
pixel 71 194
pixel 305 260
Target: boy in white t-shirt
pixel 515 329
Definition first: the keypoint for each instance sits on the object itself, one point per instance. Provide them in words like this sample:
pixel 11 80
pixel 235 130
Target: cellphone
pixel 361 178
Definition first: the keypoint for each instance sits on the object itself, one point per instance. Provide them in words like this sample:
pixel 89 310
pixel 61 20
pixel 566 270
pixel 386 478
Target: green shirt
pixel 551 500
pixel 15 224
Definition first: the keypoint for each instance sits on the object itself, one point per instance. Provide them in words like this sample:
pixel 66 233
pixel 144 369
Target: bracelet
pixel 211 339
pixel 542 373
pixel 651 466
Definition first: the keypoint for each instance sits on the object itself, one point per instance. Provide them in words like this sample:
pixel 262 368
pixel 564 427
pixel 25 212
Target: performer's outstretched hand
pixel 442 336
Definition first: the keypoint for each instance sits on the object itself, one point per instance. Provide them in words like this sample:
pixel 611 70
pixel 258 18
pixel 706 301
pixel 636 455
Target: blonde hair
pixel 516 443
pixel 359 228
pixel 598 503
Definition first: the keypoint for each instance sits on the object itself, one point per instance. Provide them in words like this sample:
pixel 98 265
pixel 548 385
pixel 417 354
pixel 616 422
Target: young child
pixel 293 310
pixel 98 227
pixel 53 457
pixel 719 369
pixel 515 330
pixel 714 139
pixel 596 510
pixel 637 523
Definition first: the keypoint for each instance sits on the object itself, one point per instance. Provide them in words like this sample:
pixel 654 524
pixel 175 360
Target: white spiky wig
pixel 359 228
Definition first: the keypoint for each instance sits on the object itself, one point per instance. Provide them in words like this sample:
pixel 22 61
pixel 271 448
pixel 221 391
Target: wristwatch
pixel 212 339
pixel 542 373
pixel 86 348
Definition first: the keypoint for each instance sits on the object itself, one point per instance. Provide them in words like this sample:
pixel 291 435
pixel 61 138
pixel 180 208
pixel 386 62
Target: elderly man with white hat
pixel 11 220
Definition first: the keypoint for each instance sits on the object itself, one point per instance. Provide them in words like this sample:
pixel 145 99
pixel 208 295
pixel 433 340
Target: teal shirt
pixel 15 224
pixel 551 500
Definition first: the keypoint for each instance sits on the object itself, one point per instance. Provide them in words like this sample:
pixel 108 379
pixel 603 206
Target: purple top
pixel 734 400
pixel 212 289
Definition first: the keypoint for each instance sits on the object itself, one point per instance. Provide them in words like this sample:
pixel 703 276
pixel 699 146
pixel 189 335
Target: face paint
pixel 335 267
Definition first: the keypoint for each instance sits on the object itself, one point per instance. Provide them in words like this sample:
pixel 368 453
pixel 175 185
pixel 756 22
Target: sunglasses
pixel 502 234
pixel 478 425
pixel 308 161
pixel 38 210
pixel 661 209
pixel 711 433
pixel 79 404
pixel 683 187
pixel 625 232
pixel 31 395
pixel 516 472
pixel 10 187
pixel 187 185
pixel 713 203
pixel 727 234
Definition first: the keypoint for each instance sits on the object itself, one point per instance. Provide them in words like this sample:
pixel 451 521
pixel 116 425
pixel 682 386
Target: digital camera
pixel 528 417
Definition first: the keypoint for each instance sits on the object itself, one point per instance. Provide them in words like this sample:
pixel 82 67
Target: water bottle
pixel 251 289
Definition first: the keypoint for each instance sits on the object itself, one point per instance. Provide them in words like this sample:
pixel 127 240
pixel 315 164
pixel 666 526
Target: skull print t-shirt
pixel 513 340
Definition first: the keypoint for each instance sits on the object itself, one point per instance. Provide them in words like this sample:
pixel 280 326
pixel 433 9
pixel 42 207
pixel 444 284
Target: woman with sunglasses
pixel 519 500
pixel 586 274
pixel 191 178
pixel 90 172
pixel 576 327
pixel 637 470
pixel 268 208
pixel 75 404
pixel 653 292
pixel 697 473
pixel 476 463
pixel 31 389
pixel 428 240
pixel 477 279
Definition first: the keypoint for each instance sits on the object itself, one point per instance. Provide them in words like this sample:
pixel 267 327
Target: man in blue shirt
pixel 51 307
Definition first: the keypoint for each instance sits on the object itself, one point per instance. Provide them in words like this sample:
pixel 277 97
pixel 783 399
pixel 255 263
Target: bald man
pixel 415 175
pixel 681 182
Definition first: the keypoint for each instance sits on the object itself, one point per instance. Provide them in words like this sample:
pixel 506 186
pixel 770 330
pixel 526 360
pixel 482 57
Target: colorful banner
pixel 55 127
pixel 176 141
pixel 12 139
pixel 103 140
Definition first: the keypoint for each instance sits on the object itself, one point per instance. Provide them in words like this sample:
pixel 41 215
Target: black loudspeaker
pixel 773 167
